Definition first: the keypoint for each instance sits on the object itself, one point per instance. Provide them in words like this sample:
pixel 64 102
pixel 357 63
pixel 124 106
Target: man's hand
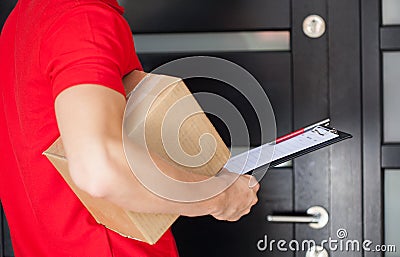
pixel 236 200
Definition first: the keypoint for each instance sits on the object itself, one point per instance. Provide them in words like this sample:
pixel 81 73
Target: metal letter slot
pixel 317 217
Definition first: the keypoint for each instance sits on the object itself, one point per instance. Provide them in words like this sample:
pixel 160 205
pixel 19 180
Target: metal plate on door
pixel 314 26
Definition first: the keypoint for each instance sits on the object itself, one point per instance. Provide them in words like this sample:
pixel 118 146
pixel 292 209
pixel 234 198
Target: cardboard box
pixel 150 227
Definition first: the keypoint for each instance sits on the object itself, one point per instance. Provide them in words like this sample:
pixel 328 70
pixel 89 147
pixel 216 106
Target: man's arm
pixel 90 122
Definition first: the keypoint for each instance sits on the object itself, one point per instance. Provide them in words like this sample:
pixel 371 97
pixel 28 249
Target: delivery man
pixel 61 69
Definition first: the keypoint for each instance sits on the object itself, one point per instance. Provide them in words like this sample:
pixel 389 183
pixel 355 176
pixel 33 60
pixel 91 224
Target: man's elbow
pixel 93 177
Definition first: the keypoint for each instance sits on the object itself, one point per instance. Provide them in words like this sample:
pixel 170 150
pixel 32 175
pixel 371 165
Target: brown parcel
pixel 149 227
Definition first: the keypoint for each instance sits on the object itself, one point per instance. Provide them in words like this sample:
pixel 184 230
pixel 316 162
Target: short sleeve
pixel 91 44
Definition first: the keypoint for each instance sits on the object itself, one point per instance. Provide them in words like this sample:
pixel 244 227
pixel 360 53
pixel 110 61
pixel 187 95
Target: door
pixel 307 79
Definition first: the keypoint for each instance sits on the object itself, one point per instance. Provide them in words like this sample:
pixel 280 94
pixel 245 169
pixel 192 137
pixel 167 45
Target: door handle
pixel 316 217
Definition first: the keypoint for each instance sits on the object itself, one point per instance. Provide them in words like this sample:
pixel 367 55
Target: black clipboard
pixel 342 136
pixel 275 154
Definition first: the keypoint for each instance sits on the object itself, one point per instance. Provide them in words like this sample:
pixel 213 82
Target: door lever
pixel 317 217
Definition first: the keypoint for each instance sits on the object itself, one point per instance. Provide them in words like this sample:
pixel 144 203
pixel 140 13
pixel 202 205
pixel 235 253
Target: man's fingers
pixel 254 201
pixel 237 217
pixel 253 183
pixel 256 187
pixel 240 197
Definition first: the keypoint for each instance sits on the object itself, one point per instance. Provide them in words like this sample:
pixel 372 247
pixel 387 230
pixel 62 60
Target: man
pixel 61 69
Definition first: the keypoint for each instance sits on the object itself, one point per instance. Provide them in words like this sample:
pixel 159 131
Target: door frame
pixel 372 123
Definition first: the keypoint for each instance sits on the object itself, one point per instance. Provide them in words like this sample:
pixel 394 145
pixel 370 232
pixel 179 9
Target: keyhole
pixel 314 26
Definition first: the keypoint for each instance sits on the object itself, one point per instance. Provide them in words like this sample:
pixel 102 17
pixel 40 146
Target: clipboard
pixel 341 136
pixel 275 154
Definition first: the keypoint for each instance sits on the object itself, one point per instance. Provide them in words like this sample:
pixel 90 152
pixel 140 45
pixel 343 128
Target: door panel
pixel 345 111
pixel 5 9
pixel 5 244
pixel 311 98
pixel 271 69
pixel 154 16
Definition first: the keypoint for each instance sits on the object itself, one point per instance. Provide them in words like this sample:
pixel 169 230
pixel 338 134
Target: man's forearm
pixel 90 122
pixel 113 180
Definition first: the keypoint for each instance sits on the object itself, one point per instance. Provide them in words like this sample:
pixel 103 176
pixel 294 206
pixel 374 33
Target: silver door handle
pixel 317 217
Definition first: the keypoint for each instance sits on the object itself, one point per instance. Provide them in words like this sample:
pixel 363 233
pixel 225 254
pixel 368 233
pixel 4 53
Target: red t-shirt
pixel 47 46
